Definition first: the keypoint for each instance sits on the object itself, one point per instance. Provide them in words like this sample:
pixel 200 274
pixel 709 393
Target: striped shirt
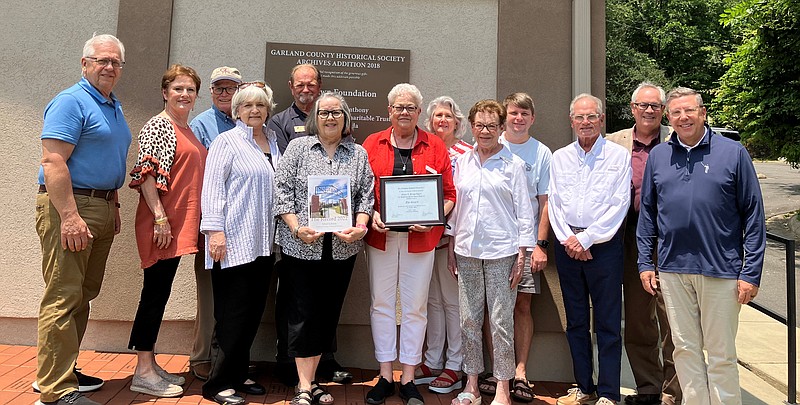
pixel 237 196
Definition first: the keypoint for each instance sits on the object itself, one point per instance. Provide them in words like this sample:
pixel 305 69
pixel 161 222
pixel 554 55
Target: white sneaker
pixel 605 401
pixel 576 397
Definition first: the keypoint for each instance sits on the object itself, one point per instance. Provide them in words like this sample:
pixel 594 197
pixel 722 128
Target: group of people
pixel 232 187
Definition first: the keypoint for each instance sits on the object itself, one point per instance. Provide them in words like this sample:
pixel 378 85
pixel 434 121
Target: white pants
pixel 704 315
pixel 391 271
pixel 444 322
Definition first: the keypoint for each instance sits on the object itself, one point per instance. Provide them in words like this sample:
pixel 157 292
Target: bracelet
pixel 161 221
pixel 295 230
pixel 117 205
pixel 362 226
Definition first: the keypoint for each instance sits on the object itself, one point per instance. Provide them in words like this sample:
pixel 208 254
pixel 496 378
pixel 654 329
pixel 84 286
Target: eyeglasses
pixel 258 84
pixel 220 90
pixel 324 114
pixel 490 127
pixel 400 108
pixel 645 106
pixel 590 117
pixel 688 111
pixel 116 64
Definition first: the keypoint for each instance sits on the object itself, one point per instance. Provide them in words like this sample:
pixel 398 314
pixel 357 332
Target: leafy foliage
pixel 668 42
pixel 760 92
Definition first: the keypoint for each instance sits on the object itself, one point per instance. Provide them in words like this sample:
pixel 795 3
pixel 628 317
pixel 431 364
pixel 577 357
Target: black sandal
pixel 302 397
pixel 521 390
pixel 317 392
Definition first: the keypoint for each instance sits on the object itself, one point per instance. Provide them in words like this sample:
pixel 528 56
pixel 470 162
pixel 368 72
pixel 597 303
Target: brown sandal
pixel 521 390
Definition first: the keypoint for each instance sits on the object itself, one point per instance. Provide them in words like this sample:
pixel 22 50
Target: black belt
pixel 107 195
pixel 576 230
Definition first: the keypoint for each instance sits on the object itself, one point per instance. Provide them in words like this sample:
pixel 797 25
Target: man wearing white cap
pixel 206 126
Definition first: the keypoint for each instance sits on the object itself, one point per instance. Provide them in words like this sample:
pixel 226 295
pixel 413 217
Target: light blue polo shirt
pixel 207 125
pixel 81 116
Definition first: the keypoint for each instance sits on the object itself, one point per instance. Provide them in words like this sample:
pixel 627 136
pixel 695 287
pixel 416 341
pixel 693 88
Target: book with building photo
pixel 329 203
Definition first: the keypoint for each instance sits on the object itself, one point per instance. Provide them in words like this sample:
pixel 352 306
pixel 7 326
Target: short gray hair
pixel 89 46
pixel 679 92
pixel 649 85
pixel 408 89
pixel 252 93
pixel 597 101
pixel 311 121
pixel 448 102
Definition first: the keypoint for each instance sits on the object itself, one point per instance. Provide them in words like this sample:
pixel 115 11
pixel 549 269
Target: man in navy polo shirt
pixel 305 83
pixel 85 141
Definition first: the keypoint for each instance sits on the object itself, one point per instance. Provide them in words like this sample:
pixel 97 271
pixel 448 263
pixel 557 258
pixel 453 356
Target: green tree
pixel 760 92
pixel 668 42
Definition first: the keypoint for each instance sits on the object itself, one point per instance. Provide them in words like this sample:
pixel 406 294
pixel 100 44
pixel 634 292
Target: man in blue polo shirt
pixel 206 126
pixel 701 204
pixel 85 141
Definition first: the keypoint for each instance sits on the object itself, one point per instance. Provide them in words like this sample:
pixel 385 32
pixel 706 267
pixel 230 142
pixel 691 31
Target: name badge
pixel 299 128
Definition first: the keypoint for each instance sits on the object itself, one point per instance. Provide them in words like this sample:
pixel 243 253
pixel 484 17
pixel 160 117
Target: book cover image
pixel 329 202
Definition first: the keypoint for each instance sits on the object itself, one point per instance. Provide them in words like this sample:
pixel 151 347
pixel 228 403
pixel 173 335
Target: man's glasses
pixel 645 106
pixel 258 84
pixel 400 108
pixel 324 114
pixel 220 90
pixel 589 117
pixel 692 111
pixel 490 127
pixel 116 64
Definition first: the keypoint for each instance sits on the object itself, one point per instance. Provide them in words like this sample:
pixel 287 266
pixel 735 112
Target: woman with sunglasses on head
pixel 239 229
pixel 320 263
pixel 168 175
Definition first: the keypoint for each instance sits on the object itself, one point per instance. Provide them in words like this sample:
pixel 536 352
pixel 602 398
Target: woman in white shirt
pixel 492 225
pixel 239 228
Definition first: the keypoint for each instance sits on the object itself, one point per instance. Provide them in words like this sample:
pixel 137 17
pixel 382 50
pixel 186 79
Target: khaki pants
pixel 204 317
pixel 704 315
pixel 71 279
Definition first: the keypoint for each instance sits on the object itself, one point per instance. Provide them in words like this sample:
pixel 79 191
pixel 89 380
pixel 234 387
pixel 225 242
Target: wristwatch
pixel 543 243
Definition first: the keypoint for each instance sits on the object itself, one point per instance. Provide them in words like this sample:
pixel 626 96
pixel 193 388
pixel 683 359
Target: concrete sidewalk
pixel 761 347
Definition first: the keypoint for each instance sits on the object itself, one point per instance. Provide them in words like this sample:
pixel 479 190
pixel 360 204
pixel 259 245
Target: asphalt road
pixel 780 186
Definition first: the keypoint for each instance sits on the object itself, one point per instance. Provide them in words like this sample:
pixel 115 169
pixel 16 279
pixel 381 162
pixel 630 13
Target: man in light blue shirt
pixel 217 119
pixel 206 126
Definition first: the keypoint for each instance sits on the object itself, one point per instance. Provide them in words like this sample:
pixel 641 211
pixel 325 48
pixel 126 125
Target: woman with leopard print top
pixel 169 177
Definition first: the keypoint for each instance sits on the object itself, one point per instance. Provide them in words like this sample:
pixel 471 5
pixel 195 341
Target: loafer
pixel 252 389
pixel 169 377
pixel 377 395
pixel 161 388
pixel 331 370
pixel 410 394
pixel 224 398
pixel 643 399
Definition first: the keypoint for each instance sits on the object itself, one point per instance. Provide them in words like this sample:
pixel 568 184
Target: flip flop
pixel 521 390
pixel 449 380
pixel 487 384
pixel 466 396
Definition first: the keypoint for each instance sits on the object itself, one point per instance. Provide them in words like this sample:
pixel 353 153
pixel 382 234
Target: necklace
pixel 175 121
pixel 403 159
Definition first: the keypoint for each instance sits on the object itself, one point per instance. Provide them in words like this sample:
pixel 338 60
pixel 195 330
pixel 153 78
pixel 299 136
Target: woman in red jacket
pixel 400 259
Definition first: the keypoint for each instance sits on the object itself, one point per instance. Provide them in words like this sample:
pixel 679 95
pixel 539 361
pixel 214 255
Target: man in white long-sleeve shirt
pixel 589 198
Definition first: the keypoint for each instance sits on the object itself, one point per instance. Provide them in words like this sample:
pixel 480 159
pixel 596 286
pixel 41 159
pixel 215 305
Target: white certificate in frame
pixel 412 200
pixel 329 203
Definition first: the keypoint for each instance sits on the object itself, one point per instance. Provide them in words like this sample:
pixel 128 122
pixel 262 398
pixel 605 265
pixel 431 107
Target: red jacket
pixel 430 151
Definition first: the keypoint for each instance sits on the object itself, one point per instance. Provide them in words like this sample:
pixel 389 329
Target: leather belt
pixel 107 195
pixel 576 230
